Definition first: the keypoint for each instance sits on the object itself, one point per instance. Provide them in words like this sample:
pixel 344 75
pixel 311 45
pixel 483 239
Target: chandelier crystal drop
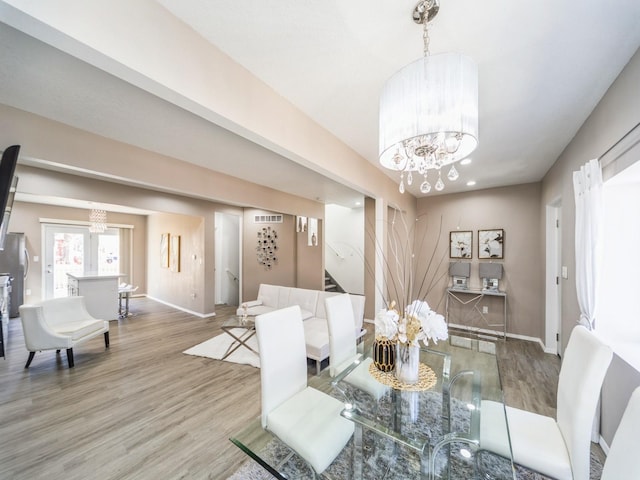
pixel 453 173
pixel 439 183
pixel 97 221
pixel 429 110
pixel 425 187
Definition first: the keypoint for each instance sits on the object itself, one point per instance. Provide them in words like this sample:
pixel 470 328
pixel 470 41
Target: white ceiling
pixel 543 67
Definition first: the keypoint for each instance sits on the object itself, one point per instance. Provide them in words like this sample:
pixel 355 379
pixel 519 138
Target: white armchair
pixel 556 447
pixel 307 420
pixel 59 323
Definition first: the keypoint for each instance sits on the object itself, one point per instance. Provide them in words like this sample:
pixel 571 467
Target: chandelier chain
pixel 425 38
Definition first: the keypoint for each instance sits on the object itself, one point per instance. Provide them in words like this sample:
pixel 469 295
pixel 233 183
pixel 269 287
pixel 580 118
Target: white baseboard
pixel 494 333
pixel 182 309
pixel 498 334
pixel 603 444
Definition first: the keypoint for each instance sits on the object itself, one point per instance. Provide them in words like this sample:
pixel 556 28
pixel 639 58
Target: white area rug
pixel 217 346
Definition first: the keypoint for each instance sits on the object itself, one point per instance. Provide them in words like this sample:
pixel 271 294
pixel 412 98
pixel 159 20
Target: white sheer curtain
pixel 587 187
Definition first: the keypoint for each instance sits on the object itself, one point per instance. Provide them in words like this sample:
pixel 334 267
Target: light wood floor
pixel 144 410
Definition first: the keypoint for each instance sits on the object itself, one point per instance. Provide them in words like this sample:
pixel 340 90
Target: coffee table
pixel 248 328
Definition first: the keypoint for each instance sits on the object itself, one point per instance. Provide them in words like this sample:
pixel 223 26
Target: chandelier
pixel 97 221
pixel 429 112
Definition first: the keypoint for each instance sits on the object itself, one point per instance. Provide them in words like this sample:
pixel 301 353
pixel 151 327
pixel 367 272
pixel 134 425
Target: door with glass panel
pixel 75 250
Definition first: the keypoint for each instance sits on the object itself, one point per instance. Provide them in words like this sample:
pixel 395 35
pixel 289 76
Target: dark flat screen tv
pixel 8 183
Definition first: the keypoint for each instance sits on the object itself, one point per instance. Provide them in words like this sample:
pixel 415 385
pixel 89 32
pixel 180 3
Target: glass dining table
pixel 428 430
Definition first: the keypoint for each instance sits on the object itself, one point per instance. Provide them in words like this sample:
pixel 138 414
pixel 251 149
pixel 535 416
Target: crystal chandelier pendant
pixel 453 174
pixel 97 221
pixel 425 187
pixel 428 113
pixel 439 183
pixel 401 188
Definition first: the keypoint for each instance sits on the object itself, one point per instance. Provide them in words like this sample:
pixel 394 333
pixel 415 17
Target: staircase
pixel 330 285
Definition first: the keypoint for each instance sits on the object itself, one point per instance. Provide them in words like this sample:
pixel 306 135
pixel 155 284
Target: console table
pixel 470 299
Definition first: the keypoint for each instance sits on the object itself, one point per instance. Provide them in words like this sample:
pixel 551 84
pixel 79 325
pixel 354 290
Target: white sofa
pixel 59 323
pixel 311 303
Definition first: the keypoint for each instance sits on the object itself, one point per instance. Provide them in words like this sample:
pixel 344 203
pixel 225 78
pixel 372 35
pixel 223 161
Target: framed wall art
pixel 174 257
pixel 164 250
pixel 491 243
pixel 461 244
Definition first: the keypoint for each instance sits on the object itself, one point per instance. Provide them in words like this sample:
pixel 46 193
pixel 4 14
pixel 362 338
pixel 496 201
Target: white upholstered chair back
pixel 283 357
pixel 621 461
pixel 584 366
pixel 38 335
pixel 342 336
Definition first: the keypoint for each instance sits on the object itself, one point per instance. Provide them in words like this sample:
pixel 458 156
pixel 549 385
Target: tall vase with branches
pixel 407 318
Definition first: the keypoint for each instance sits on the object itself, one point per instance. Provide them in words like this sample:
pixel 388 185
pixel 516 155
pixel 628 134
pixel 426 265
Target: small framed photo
pixel 460 244
pixel 491 243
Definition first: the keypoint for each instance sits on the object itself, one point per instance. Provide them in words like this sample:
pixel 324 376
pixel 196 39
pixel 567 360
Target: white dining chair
pixel 307 420
pixel 557 447
pixel 343 347
pixel 621 462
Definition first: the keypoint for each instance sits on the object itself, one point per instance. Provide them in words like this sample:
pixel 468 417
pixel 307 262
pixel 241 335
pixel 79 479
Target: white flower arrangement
pixel 419 322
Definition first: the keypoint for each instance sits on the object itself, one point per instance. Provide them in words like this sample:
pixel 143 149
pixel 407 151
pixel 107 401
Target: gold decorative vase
pixel 384 354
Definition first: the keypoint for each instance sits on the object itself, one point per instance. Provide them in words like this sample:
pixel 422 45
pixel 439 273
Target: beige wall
pixel 205 82
pixel 189 288
pixel 310 260
pixel 193 287
pixel 516 210
pixel 616 114
pixel 46 143
pixel 42 138
pixel 283 272
pixel 369 257
pixel 26 219
pixel 298 265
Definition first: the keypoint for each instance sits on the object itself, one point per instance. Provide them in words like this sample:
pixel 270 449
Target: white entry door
pixel 75 250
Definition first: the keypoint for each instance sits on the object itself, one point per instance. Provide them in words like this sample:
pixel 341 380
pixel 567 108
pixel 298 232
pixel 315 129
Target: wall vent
pixel 267 219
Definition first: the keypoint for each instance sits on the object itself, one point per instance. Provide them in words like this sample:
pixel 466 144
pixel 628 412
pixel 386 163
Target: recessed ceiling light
pixel 357 204
pixel 466 161
pixel 471 183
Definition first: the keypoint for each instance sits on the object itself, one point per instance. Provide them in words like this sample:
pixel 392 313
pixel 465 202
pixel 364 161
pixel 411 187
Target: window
pixel 72 249
pixel 618 314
